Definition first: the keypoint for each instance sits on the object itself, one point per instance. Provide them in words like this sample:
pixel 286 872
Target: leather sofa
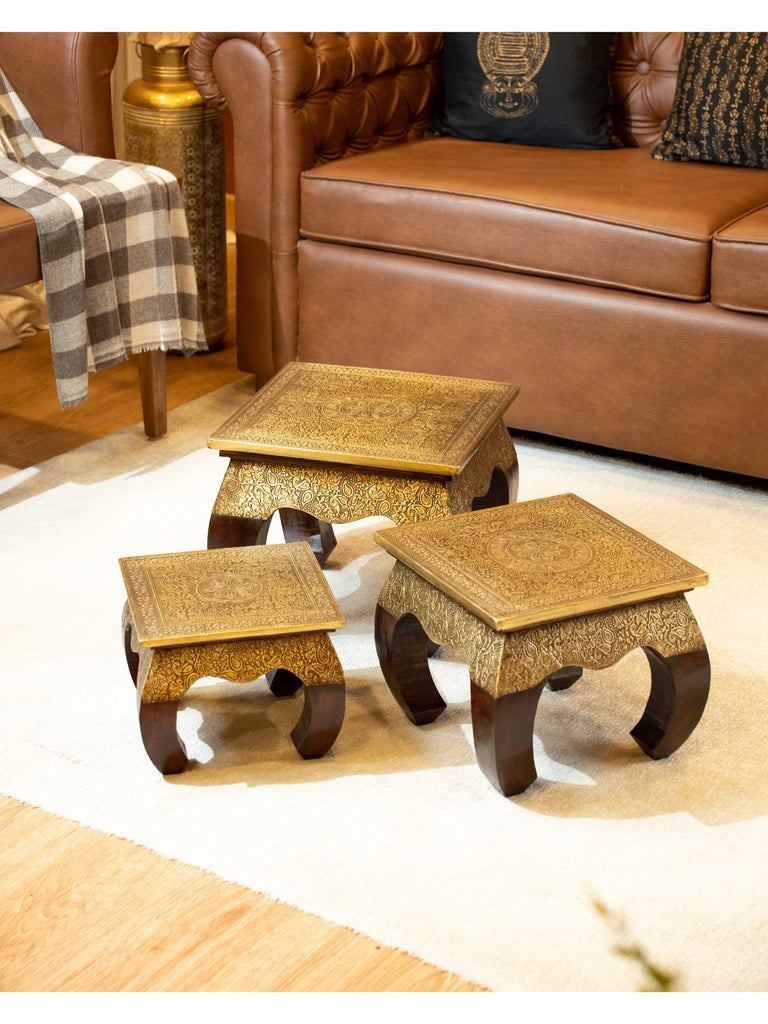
pixel 627 296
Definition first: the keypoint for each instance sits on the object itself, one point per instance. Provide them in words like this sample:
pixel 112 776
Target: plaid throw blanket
pixel 114 246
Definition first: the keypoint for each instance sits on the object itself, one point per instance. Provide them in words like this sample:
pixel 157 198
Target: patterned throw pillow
pixel 532 88
pixel 720 111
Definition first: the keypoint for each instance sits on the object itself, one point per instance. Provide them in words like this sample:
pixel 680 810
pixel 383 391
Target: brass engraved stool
pixel 232 614
pixel 532 594
pixel 334 444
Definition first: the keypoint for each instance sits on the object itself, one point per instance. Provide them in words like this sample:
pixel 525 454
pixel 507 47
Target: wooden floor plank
pixel 87 912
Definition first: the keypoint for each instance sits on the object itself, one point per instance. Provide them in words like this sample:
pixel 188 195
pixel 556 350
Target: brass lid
pixel 228 594
pixel 539 561
pixel 388 419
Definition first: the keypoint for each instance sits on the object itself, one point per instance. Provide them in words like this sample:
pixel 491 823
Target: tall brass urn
pixel 168 124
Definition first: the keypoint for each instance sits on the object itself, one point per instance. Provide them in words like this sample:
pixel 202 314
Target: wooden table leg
pixel 282 682
pixel 131 656
pixel 403 648
pixel 157 723
pixel 154 402
pixel 502 728
pixel 679 692
pixel 503 489
pixel 564 677
pixel 321 718
pixel 298 525
pixel 226 531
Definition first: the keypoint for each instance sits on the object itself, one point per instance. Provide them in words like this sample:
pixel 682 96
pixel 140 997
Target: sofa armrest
pixel 63 79
pixel 298 99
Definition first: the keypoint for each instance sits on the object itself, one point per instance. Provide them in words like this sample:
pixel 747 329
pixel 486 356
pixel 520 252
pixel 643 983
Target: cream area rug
pixel 396 832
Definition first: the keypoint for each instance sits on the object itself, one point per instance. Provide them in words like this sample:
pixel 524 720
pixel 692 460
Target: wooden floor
pixel 81 911
pixel 87 912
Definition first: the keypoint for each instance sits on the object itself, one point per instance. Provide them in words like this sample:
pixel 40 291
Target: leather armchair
pixel 63 79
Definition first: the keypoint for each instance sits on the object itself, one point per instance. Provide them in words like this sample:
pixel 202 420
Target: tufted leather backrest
pixel 390 102
pixel 644 79
pixel 347 91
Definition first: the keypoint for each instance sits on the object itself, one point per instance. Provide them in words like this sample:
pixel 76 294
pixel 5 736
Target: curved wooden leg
pixel 157 723
pixel 564 677
pixel 402 647
pixel 679 692
pixel 131 656
pixel 235 532
pixel 299 525
pixel 282 682
pixel 513 480
pixel 502 728
pixel 316 730
pixel 497 494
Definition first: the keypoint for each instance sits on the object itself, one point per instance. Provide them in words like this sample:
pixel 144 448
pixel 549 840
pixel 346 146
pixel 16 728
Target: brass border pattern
pixel 166 673
pixel 452 417
pixel 627 566
pixel 255 487
pixel 284 592
pixel 502 663
pixel 497 450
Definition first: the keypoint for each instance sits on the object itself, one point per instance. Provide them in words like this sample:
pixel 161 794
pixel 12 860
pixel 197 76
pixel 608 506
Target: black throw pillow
pixel 720 111
pixel 531 88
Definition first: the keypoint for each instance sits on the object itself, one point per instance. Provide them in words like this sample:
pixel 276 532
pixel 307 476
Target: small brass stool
pixel 334 444
pixel 233 614
pixel 532 594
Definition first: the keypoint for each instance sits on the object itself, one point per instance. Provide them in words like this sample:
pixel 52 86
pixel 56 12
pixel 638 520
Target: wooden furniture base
pixel 152 384
pixel 234 614
pixel 532 594
pixel 327 444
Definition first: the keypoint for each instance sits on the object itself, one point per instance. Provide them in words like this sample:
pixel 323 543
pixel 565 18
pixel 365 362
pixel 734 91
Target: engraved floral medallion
pixel 229 587
pixel 379 410
pixel 537 549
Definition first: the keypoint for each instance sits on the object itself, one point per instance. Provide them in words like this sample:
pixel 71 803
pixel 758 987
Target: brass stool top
pixel 228 594
pixel 388 419
pixel 539 561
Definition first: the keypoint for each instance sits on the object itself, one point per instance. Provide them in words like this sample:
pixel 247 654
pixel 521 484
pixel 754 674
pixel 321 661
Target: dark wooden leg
pixel 316 730
pixel 564 677
pixel 236 532
pixel 498 493
pixel 402 647
pixel 299 525
pixel 503 733
pixel 513 481
pixel 154 405
pixel 130 655
pixel 282 682
pixel 679 691
pixel 161 741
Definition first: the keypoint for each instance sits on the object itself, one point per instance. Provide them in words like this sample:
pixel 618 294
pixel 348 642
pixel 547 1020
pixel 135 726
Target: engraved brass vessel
pixel 168 124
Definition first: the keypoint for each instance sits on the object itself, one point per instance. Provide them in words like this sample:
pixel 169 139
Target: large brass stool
pixel 234 614
pixel 334 444
pixel 532 594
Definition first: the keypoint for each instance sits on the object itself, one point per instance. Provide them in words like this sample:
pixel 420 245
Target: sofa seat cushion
pixel 19 251
pixel 740 264
pixel 615 218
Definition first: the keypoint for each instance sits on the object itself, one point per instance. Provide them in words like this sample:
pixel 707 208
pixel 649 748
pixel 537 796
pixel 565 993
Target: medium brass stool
pixel 334 444
pixel 532 594
pixel 234 614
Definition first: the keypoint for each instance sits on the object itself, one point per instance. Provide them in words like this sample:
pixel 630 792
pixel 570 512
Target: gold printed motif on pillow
pixel 510 62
